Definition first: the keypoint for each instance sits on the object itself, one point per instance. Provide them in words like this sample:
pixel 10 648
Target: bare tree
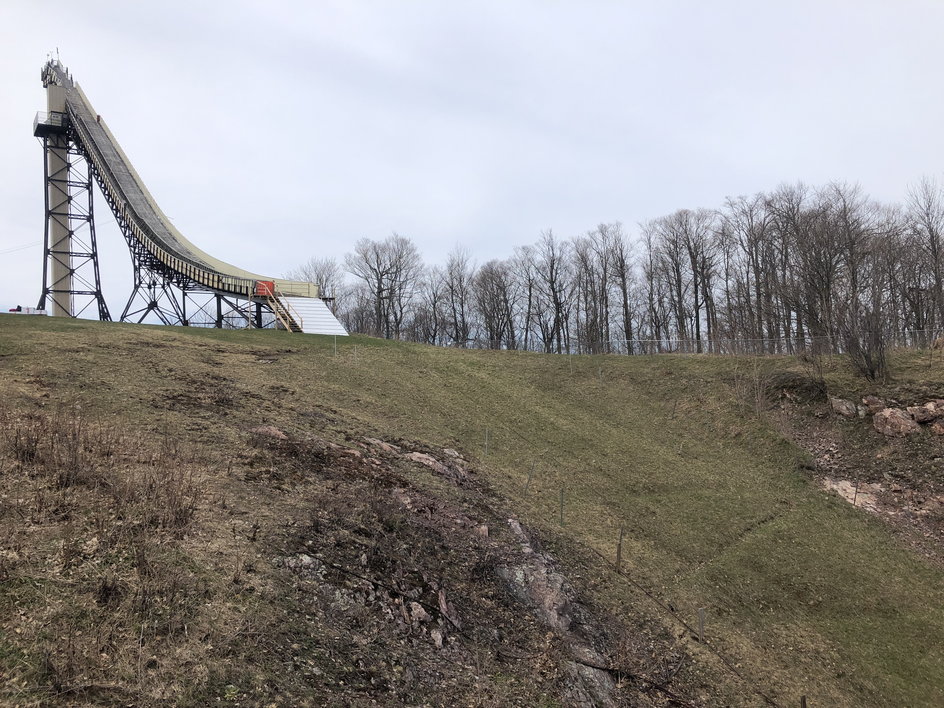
pixel 926 214
pixel 495 298
pixel 390 269
pixel 555 286
pixel 430 319
pixel 460 272
pixel 525 278
pixel 327 275
pixel 623 272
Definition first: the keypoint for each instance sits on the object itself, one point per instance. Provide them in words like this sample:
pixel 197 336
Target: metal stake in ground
pixel 530 475
pixel 486 442
pixel 701 624
pixel 619 551
pixel 562 507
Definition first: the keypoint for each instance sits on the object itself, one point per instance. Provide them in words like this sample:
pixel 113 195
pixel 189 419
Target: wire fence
pixel 731 346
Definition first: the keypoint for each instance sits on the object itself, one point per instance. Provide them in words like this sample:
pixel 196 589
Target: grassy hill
pixel 802 594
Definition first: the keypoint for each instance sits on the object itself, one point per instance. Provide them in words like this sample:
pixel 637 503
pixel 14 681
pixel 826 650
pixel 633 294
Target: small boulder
pixel 937 427
pixel 846 409
pixel 895 423
pixel 418 613
pixel 873 403
pixel 923 414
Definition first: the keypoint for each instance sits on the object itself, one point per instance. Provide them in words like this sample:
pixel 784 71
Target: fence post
pixel 701 625
pixel 530 475
pixel 619 551
pixel 562 507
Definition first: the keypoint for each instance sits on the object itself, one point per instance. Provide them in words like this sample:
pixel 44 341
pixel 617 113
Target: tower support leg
pixel 71 276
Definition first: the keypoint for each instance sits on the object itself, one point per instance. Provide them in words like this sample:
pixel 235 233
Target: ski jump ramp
pixel 170 271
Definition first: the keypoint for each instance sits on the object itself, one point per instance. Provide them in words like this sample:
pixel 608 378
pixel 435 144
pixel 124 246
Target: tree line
pixel 796 268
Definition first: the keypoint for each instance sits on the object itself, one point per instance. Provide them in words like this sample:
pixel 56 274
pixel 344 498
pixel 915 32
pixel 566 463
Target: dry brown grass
pixel 94 575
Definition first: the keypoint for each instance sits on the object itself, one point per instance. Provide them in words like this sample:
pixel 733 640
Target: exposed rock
pixel 843 407
pixel 269 431
pixel 449 452
pixel 385 446
pixel 894 422
pixel 481 531
pixel 536 583
pixel 861 494
pixel 418 614
pixel 448 611
pixel 937 427
pixel 428 460
pixel 305 565
pixel 925 413
pixel 873 403
pixel 450 471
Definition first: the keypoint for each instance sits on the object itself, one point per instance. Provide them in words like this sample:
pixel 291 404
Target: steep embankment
pixel 174 554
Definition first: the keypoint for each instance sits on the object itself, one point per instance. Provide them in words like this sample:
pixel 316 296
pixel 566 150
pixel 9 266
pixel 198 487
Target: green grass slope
pixel 803 595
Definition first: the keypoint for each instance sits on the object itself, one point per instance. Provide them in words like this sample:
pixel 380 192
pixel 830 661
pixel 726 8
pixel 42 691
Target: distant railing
pixel 772 346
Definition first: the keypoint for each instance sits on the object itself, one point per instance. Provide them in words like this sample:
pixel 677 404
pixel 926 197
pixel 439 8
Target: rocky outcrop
pixel 873 404
pixel 536 583
pixel 389 448
pixel 894 422
pixel 453 470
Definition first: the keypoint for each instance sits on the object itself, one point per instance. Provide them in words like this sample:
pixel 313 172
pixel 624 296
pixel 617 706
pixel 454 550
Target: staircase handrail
pixel 292 312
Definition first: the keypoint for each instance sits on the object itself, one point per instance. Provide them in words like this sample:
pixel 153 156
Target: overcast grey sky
pixel 275 131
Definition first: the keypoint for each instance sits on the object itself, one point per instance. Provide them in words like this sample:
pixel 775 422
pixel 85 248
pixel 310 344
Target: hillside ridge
pixel 266 441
